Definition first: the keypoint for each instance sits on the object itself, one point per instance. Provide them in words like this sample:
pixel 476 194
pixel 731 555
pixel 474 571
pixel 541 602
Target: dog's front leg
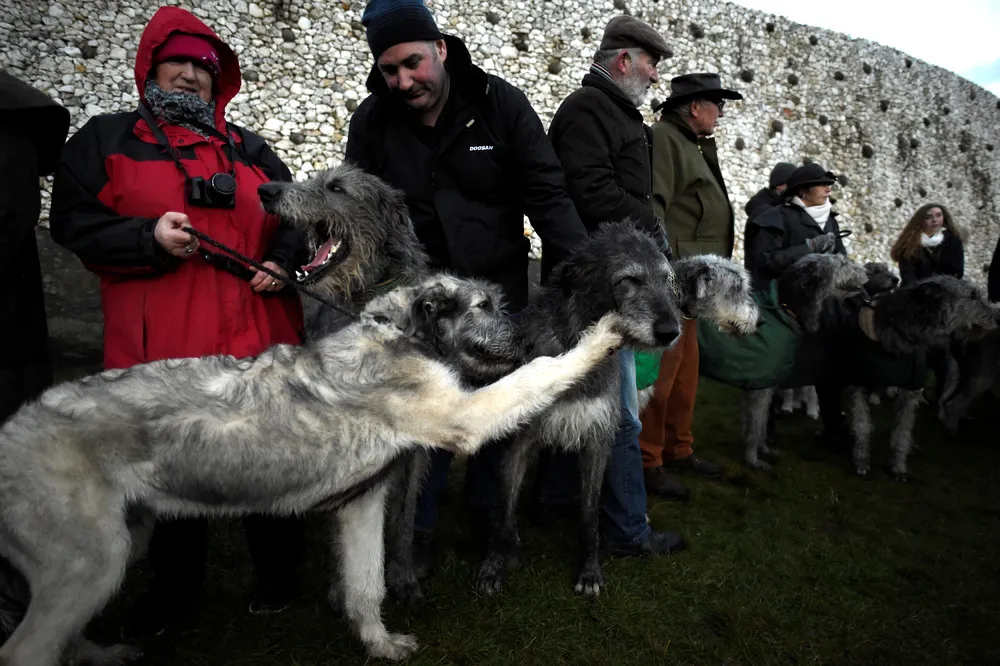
pixel 902 433
pixel 861 428
pixel 756 413
pixel 501 407
pixel 593 461
pixel 361 560
pixel 400 575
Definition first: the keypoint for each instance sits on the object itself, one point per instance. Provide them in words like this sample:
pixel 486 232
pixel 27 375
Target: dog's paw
pixel 406 591
pixel 395 647
pixel 862 470
pixel 589 583
pixel 606 333
pixel 118 654
pixel 491 575
pixel 900 475
pixel 758 465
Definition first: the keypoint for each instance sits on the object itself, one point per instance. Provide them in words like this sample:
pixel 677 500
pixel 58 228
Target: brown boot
pixel 660 482
pixel 697 465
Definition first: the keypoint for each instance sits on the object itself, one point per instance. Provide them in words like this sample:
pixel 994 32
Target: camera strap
pixel 161 138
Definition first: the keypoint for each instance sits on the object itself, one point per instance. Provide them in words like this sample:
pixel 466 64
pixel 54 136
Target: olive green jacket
pixel 689 193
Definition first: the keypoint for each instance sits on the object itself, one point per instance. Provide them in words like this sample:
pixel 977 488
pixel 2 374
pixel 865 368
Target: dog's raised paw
pixel 395 647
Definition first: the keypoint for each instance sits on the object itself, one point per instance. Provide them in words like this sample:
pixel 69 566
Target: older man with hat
pixel 604 147
pixel 770 196
pixel 689 194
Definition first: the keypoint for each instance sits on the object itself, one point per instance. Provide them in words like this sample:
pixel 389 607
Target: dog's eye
pixel 334 186
pixel 630 281
pixel 485 305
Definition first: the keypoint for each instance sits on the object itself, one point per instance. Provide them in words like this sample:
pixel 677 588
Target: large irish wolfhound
pixel 902 323
pixel 303 428
pixel 813 282
pixel 620 269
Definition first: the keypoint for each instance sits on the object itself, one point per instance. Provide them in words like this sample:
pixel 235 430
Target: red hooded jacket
pixel 113 183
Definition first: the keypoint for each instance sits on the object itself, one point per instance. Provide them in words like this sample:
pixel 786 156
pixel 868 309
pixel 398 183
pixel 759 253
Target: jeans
pixel 623 496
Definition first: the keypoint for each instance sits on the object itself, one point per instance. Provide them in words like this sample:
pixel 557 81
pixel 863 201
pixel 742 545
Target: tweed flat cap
pixel 627 32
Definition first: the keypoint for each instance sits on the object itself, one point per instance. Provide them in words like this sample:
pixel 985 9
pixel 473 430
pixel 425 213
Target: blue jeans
pixel 482 482
pixel 623 496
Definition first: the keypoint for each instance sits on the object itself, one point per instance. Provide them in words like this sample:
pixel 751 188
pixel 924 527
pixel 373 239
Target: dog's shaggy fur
pixel 908 320
pixel 620 269
pixel 292 430
pixel 803 288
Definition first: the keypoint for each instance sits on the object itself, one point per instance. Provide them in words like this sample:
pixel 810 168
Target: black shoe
pixel 697 465
pixel 657 543
pixel 662 483
pixel 424 554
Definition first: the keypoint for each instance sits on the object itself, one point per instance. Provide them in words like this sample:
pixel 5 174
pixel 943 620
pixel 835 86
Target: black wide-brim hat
pixel 689 87
pixel 807 176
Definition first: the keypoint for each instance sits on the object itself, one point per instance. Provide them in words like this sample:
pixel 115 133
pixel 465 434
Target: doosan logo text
pixel 472 148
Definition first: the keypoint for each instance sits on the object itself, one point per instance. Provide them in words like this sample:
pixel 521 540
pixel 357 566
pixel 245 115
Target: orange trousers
pixel 666 420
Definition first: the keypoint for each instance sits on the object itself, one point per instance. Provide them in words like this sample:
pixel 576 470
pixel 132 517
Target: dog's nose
pixel 269 192
pixel 666 331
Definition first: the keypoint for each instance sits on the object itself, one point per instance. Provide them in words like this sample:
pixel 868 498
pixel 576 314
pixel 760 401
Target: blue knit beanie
pixel 391 22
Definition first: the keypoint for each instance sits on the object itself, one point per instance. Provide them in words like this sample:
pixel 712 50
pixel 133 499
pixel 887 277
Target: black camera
pixel 219 191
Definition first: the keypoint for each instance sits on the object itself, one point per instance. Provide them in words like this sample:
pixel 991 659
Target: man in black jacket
pixel 472 157
pixel 604 147
pixel 770 196
pixel 33 129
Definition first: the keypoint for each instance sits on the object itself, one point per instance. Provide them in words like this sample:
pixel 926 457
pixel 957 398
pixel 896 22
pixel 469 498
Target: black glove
pixel 825 244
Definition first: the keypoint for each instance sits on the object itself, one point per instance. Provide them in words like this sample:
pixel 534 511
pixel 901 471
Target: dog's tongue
pixel 321 255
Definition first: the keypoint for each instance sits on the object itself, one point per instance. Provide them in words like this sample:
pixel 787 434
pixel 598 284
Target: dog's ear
pixel 427 308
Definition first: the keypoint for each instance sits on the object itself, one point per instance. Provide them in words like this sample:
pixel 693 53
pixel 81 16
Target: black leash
pixel 277 276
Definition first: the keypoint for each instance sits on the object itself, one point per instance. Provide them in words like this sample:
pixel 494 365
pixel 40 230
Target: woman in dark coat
pixel 930 244
pixel 33 129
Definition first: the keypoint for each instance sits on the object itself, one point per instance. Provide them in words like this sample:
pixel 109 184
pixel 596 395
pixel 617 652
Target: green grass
pixel 809 564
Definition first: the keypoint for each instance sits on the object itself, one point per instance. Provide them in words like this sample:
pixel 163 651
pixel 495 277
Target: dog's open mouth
pixel 325 255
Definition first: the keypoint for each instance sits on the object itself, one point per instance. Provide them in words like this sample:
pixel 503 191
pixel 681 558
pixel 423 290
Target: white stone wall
pixel 902 132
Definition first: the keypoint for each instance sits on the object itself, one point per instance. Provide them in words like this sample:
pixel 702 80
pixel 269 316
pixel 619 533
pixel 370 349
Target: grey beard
pixel 633 87
pixel 180 108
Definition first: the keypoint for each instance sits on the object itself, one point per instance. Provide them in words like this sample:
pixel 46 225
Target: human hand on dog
pixel 824 244
pixel 168 234
pixel 264 282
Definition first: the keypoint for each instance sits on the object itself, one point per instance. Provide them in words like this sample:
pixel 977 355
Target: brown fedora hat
pixel 689 87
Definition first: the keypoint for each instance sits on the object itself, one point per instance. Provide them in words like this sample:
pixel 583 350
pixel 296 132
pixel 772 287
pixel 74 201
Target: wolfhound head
pixel 620 269
pixel 933 312
pixel 717 290
pixel 357 227
pixel 461 321
pixel 805 286
pixel 881 279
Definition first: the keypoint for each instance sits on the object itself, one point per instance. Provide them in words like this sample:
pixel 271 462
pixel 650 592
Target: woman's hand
pixel 168 234
pixel 264 282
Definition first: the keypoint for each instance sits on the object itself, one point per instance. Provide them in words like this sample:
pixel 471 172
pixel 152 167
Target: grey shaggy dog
pixel 362 242
pixel 297 428
pixel 912 319
pixel 803 288
pixel 974 372
pixel 617 269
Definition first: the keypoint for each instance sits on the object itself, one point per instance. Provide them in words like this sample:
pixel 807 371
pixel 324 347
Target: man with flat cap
pixel 604 147
pixel 689 195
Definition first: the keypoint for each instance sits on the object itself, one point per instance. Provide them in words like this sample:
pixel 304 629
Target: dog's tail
pixel 14 597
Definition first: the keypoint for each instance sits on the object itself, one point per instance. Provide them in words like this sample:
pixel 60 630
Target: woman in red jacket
pixel 125 186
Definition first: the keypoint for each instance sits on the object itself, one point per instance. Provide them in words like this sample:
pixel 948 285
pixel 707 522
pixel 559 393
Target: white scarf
pixel 819 214
pixel 932 241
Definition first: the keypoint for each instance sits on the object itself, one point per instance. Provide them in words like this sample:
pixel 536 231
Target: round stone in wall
pixel 697 31
pixel 866 68
pixel 251 75
pixel 492 17
pixel 898 202
pixel 838 76
pixel 747 75
pixel 777 126
pixel 884 105
pixel 945 110
pixel 823 120
pixel 287 34
pixel 914 143
pixel 927 122
pixel 297 138
pixel 813 40
pixel 793 79
pixel 989 147
pixel 585 32
pixel 921 191
pixel 770 28
pixel 869 228
pixel 740 144
pixel 843 180
pixel 867 151
pixel 909 63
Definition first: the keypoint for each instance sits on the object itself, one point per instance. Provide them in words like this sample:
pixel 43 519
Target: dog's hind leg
pixel 756 413
pixel 400 575
pixel 504 545
pixel 787 401
pixel 69 585
pixel 861 427
pixel 902 433
pixel 361 560
pixel 593 461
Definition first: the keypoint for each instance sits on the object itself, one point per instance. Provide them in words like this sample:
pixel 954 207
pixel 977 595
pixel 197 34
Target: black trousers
pixel 178 555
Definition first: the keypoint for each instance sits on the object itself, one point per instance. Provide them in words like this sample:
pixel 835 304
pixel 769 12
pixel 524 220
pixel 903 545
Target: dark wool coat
pixel 32 131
